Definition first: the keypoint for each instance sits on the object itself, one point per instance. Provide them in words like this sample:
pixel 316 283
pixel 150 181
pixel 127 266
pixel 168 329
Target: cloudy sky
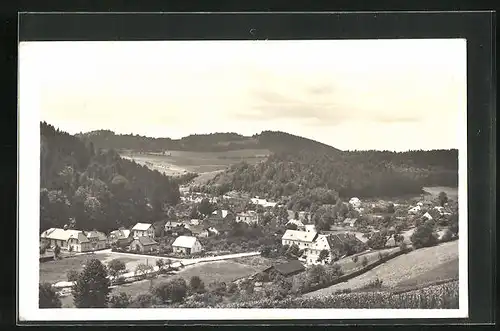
pixel 353 94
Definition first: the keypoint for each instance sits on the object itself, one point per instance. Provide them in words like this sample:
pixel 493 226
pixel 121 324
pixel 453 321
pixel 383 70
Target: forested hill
pixel 274 141
pixel 361 174
pixel 97 188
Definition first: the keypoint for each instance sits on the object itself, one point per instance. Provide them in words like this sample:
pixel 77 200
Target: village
pixel 235 226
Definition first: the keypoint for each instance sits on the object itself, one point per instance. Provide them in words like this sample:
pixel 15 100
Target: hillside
pixel 299 164
pixel 97 188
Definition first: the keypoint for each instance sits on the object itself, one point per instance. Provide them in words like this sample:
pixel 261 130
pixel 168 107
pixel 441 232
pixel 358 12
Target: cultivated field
pixel 402 268
pixel 222 271
pixel 179 162
pixel 348 265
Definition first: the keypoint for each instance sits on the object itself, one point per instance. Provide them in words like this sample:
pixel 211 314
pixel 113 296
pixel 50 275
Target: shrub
pixel 144 300
pixel 121 300
pixel 115 267
pixel 355 258
pixel 364 262
pixel 377 241
pixel 424 236
pixel 72 275
pixel 196 285
pixel 47 297
pixel 174 290
pixel 447 235
pixel 403 247
pixel 91 289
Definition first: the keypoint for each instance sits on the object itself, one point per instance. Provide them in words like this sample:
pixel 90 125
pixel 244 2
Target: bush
pixel 364 262
pixel 374 284
pixel 377 241
pixel 196 285
pixel 47 297
pixel 424 236
pixel 121 300
pixel 144 300
pixel 72 275
pixel 355 259
pixel 447 235
pixel 174 290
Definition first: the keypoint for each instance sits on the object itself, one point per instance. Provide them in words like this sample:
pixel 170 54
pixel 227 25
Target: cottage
pixel 287 269
pixel 144 244
pixel 124 243
pixel 199 231
pixel 427 216
pixel 186 245
pixel 310 228
pixel 143 230
pixel 98 240
pixel 355 202
pixel 302 239
pixel 115 235
pixel 249 217
pixel 74 240
pixel 311 254
pixel 171 225
pixel 414 210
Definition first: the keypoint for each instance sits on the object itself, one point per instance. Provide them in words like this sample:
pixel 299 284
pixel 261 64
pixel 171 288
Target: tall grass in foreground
pixel 444 296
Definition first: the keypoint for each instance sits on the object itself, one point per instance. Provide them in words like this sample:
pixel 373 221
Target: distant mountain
pixel 275 141
pixel 299 164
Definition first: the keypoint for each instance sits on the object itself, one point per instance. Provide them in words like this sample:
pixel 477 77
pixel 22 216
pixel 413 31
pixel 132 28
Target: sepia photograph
pixel 217 179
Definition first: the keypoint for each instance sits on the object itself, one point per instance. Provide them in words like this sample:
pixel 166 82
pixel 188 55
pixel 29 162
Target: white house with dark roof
pixel 143 229
pixel 302 239
pixel 75 240
pixel 186 245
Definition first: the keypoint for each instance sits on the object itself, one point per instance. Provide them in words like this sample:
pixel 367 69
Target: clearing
pixel 179 162
pixel 451 192
pixel 400 269
pixel 348 265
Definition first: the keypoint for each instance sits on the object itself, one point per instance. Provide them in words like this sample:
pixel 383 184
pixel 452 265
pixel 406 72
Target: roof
pixel 184 241
pixel 65 235
pixel 96 234
pixel 350 220
pixel 173 223
pixel 310 227
pixel 288 267
pixel 299 235
pixel 197 228
pixel 120 233
pixel 296 222
pixel 338 239
pixel 146 241
pixel 142 226
pixel 124 241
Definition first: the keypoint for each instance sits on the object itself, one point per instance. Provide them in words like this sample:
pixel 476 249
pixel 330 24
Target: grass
pixel 399 269
pixel 348 265
pixel 222 271
pixel 451 192
pixel 447 270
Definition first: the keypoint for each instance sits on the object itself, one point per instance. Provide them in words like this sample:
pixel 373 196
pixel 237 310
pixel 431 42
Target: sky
pixel 350 94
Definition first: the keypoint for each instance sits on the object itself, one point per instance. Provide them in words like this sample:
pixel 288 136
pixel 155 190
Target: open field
pixel 55 271
pixel 179 162
pixel 447 270
pixel 399 269
pixel 451 192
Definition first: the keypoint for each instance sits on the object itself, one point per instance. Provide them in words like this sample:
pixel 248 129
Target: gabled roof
pixel 120 233
pixel 174 224
pixel 96 234
pixel 142 226
pixel 299 235
pixel 185 241
pixel 338 239
pixel 65 235
pixel 124 241
pixel 147 241
pixel 288 267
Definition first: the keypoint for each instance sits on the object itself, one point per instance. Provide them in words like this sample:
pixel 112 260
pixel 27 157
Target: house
pixel 297 223
pixel 427 216
pixel 304 216
pixel 442 211
pixel 171 225
pixel 187 245
pixel 287 269
pixel 310 228
pixel 311 254
pixel 199 231
pixel 414 210
pixel 115 235
pixel 350 222
pixel 144 244
pixel 143 230
pixel 302 239
pixel 222 213
pixel 263 202
pixel 123 243
pixel 98 240
pixel 213 231
pixel 74 240
pixel 355 202
pixel 249 217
